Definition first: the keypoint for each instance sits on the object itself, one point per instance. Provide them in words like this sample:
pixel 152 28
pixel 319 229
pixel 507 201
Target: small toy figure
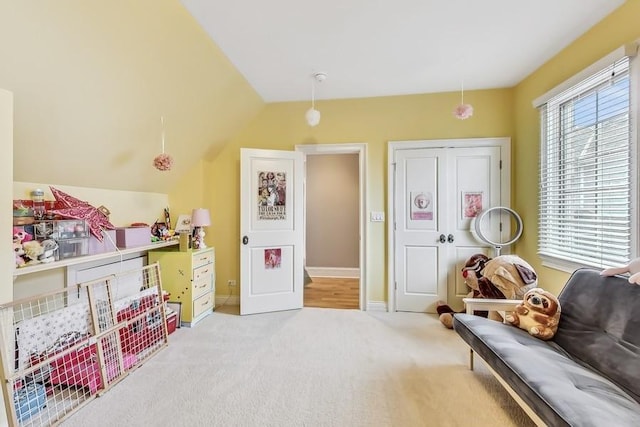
pixel 538 314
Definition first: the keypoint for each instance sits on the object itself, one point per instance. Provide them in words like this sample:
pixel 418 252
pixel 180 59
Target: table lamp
pixel 199 218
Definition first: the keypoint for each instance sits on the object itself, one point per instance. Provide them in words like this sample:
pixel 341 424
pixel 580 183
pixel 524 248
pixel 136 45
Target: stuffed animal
pixel 32 250
pixel 19 252
pixel 505 276
pixel 472 270
pixel 36 252
pixel 633 268
pixel 21 236
pixel 538 314
pixel 510 275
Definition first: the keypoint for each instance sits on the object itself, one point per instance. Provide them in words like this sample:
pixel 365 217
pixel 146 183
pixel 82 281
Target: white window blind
pixel 585 171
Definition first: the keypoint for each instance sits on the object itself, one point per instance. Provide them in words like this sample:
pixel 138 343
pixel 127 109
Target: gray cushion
pixel 600 326
pixel 560 390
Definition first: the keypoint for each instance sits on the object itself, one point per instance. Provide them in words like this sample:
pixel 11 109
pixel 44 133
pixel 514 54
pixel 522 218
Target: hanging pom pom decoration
pixel 163 162
pixel 463 111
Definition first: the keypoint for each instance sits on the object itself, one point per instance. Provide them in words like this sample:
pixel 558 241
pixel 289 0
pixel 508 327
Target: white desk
pixel 486 304
pixel 91 258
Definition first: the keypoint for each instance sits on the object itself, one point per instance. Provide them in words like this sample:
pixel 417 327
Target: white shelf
pixel 90 258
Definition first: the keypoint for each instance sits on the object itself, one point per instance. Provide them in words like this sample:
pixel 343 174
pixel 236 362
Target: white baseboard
pixel 377 306
pixel 227 300
pixel 235 300
pixel 333 272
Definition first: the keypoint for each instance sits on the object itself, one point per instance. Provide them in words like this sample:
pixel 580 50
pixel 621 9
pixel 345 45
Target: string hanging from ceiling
pixel 163 161
pixel 312 115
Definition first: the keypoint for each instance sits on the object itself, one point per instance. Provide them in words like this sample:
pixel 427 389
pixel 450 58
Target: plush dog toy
pixel 36 252
pixel 538 314
pixel 19 252
pixel 505 276
pixel 633 268
pixel 32 250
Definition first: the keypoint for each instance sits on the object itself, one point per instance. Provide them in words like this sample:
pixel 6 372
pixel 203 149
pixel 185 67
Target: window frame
pixel 629 50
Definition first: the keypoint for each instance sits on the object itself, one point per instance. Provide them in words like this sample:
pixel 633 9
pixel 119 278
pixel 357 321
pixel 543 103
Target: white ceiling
pixel 391 47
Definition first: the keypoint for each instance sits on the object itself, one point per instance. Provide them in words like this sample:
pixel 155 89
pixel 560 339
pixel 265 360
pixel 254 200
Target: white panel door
pixel 271 227
pixel 437 193
pixel 421 217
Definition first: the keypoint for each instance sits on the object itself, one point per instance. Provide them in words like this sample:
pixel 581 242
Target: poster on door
pixel 272 258
pixel 272 193
pixel 421 206
pixel 471 204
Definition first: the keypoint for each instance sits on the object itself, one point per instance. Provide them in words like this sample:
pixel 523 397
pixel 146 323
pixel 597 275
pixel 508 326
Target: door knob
pixel 245 240
pixel 450 238
pixel 442 238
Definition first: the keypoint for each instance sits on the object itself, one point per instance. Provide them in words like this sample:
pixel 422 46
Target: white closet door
pixel 437 193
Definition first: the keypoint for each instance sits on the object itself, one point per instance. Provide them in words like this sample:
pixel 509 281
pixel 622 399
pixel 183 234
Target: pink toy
pixel 21 236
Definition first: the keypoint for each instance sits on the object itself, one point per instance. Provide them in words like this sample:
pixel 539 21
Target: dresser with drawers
pixel 189 277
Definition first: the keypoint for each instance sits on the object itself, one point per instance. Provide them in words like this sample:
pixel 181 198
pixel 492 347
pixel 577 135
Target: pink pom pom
pixel 163 162
pixel 463 111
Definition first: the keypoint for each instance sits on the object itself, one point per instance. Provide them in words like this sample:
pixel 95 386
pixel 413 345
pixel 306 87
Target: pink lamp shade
pixel 200 217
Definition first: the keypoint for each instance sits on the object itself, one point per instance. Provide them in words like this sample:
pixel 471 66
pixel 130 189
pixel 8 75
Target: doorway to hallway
pixel 332 292
pixel 334 222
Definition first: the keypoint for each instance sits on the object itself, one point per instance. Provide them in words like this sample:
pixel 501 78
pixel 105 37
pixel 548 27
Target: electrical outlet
pixel 231 282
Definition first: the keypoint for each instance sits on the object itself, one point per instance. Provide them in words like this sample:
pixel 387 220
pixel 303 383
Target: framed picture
pixel 472 204
pixel 184 224
pixel 421 206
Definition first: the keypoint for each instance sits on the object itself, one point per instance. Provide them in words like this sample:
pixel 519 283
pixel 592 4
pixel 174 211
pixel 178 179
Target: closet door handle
pixel 442 238
pixel 450 238
pixel 245 240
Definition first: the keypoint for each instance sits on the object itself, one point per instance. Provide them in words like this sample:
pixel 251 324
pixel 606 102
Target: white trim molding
pixel 377 306
pixel 227 300
pixel 628 50
pixel 393 146
pixel 352 273
pixel 361 150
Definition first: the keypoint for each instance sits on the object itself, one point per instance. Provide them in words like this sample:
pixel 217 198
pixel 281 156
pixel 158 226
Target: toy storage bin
pixel 69 248
pixel 172 322
pixel 29 400
pixel 72 236
pixel 61 229
pixel 127 237
pixel 108 243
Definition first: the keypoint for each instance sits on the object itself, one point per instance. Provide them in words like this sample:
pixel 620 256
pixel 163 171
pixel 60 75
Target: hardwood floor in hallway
pixel 332 292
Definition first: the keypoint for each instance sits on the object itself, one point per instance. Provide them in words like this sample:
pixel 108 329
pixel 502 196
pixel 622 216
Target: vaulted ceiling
pixel 91 80
pixel 378 48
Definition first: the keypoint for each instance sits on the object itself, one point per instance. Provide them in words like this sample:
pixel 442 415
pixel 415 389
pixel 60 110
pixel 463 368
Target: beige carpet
pixel 310 367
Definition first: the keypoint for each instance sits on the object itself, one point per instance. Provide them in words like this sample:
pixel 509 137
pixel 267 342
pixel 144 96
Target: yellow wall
pixel 91 80
pixel 505 112
pixel 372 120
pixel 617 29
pixel 95 94
pixel 126 207
pixel 188 192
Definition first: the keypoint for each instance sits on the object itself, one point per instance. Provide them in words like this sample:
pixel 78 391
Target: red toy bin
pixel 172 322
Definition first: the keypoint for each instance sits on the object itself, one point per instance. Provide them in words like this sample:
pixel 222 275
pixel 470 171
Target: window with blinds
pixel 585 172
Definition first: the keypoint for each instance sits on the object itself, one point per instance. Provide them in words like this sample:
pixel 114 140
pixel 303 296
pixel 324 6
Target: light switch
pixel 377 216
